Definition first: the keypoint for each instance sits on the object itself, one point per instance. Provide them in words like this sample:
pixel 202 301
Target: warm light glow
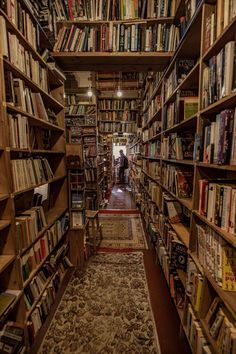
pixel 90 93
pixel 119 93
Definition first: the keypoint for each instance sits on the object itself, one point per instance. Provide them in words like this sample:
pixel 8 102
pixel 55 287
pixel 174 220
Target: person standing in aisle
pixel 123 162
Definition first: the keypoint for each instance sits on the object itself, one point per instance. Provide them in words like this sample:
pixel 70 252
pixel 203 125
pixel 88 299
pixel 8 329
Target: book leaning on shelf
pixel 194 285
pixel 178 180
pixel 118 38
pixel 30 172
pixel 12 338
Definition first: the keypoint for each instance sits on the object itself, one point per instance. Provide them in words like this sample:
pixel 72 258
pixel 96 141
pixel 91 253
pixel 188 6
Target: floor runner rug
pixel 122 231
pixel 104 310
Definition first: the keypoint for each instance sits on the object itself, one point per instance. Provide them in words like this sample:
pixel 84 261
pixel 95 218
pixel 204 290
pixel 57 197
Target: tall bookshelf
pixel 184 169
pixel 34 219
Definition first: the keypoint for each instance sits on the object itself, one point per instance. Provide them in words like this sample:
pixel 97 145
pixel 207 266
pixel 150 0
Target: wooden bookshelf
pixel 195 32
pixel 17 200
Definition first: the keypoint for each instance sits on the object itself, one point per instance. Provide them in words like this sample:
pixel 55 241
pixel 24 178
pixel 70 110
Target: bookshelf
pixel 180 111
pixel 33 196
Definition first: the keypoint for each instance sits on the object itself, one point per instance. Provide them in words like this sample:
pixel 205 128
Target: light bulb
pixel 90 93
pixel 119 93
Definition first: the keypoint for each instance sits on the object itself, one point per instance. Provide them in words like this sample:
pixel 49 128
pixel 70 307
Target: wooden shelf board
pixel 227 35
pixel 5 261
pixel 126 21
pixel 10 307
pixel 206 330
pixel 55 179
pixel 4 224
pixel 29 151
pixel 137 164
pixel 152 178
pixel 187 202
pixel 152 119
pixel 105 61
pixel 34 120
pixel 118 110
pixel 183 162
pixel 231 238
pixel 151 158
pixel 3 197
pixel 224 103
pixel 218 167
pixel 45 95
pixel 183 233
pixel 184 124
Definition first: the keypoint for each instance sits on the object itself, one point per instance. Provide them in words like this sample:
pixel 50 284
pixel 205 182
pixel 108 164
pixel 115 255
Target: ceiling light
pixel 119 93
pixel 90 92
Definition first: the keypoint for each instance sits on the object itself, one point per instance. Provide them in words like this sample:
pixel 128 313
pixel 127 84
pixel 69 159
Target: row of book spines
pixel 115 104
pixel 28 225
pixel 22 20
pixel 216 256
pixel 25 62
pixel 195 333
pixel 42 309
pixel 21 96
pixel 217 202
pixel 221 16
pixel 117 39
pixel 219 144
pixel 30 172
pixel 42 248
pixel 219 77
pixel 113 10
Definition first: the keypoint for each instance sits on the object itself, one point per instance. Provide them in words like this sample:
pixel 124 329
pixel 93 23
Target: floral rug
pixel 104 310
pixel 122 231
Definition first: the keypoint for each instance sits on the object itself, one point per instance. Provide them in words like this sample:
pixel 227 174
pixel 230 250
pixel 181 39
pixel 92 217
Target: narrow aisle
pixel 120 302
pixel 120 198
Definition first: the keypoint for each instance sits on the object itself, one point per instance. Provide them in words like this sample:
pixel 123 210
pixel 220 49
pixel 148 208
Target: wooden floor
pixel 165 314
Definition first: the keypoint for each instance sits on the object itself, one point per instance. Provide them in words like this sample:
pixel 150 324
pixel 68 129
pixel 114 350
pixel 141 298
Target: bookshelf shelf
pixel 10 308
pixel 156 116
pixel 5 261
pixel 45 95
pixel 108 61
pixel 3 197
pixel 214 166
pixel 187 202
pixel 151 158
pixel 126 21
pixel 183 233
pixel 152 178
pixel 226 235
pixel 184 124
pixel 117 110
pixel 4 224
pixel 34 120
pixel 55 179
pixel 224 103
pixel 182 162
pixel 209 337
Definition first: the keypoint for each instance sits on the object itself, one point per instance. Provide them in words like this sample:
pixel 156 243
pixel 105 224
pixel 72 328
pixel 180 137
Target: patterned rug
pixel 120 198
pixel 104 310
pixel 122 231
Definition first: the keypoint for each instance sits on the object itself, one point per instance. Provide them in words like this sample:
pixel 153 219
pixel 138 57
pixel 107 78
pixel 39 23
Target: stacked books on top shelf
pixel 117 37
pixel 112 10
pixel 219 76
pixel 124 104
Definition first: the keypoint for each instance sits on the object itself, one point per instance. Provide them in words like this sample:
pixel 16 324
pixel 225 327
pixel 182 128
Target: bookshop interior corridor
pixel 118 177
